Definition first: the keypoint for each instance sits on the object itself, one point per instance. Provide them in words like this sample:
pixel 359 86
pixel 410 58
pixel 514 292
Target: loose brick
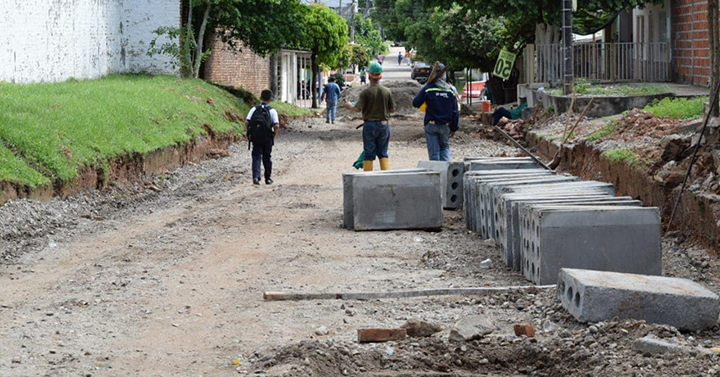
pixel 381 335
pixel 524 329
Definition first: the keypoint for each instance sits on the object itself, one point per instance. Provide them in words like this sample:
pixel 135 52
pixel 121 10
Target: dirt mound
pixel 403 93
pixel 640 123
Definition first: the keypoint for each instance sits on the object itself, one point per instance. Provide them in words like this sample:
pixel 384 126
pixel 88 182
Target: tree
pixel 368 35
pixel 325 34
pixel 360 56
pixel 264 26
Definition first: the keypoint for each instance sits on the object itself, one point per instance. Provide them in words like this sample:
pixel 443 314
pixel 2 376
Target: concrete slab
pixel 603 238
pixel 410 200
pixel 501 165
pixel 451 180
pixel 348 192
pixel 509 225
pixel 593 296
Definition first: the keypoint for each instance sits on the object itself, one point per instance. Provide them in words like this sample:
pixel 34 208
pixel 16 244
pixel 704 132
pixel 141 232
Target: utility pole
pixel 712 17
pixel 354 9
pixel 568 76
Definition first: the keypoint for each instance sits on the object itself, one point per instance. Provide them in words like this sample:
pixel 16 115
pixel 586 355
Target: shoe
pixel 268 181
pixel 384 164
pixel 333 122
pixel 327 121
pixel 256 181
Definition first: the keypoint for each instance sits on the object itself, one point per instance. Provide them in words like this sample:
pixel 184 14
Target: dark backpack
pixel 260 127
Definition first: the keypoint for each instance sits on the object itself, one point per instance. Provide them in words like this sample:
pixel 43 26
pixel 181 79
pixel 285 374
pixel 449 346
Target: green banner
pixel 504 64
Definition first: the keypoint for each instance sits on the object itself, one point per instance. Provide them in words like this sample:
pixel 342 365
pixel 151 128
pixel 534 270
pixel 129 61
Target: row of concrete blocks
pixel 544 222
pixel 408 198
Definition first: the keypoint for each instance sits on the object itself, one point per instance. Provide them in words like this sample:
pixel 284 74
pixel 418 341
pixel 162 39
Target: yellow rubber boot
pixel 384 164
pixel 367 165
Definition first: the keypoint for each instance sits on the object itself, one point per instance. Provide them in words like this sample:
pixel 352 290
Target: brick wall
pixel 689 21
pixel 54 40
pixel 231 68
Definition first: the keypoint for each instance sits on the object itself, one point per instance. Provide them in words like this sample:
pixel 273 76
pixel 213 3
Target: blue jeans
pixel 499 113
pixel 331 111
pixel 376 137
pixel 262 152
pixel 438 144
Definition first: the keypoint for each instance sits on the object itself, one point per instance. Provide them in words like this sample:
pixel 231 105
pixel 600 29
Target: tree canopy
pixel 325 34
pixel 368 35
pixel 271 25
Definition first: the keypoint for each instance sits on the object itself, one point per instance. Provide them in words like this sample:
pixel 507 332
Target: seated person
pixel 513 113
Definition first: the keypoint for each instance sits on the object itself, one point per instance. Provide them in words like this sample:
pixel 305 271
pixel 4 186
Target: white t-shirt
pixel 273 115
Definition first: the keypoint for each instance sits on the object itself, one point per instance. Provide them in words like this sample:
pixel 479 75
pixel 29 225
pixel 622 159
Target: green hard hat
pixel 375 68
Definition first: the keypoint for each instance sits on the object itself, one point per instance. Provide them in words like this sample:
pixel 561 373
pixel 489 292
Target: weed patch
pixel 584 87
pixel 678 108
pixel 605 131
pixel 624 154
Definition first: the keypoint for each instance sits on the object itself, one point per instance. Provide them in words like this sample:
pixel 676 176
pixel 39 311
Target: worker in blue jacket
pixel 439 100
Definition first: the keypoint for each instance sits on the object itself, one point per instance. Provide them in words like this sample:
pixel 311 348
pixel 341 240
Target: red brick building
pixel 690 43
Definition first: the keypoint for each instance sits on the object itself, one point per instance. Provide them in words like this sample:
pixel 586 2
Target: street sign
pixel 504 64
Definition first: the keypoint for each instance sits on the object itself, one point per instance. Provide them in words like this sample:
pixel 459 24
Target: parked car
pixel 420 72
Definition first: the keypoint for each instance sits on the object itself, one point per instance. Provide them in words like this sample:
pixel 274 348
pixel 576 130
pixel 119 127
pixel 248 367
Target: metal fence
pixel 605 62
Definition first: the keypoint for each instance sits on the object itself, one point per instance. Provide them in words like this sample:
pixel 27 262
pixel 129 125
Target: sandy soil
pixel 168 280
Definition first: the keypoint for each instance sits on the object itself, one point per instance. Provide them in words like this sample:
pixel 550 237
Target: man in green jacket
pixel 513 113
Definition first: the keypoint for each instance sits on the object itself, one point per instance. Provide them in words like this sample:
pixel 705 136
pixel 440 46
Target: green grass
pixel 679 108
pixel 13 169
pixel 290 110
pixel 606 130
pixel 57 128
pixel 624 154
pixel 583 87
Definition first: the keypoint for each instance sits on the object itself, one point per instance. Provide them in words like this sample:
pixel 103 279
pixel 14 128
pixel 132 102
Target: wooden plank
pixel 481 291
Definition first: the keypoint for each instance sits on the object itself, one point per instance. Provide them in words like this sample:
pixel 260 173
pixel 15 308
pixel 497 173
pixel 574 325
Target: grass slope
pixel 57 128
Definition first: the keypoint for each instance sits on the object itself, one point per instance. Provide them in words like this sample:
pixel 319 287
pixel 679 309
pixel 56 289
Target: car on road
pixel 420 72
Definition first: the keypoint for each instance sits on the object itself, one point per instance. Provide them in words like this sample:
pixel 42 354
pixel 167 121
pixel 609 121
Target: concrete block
pixel 471 199
pixel 500 165
pixel 451 180
pixel 509 225
pixel 603 238
pixel 488 199
pixel 593 296
pixel 393 200
pixel 348 179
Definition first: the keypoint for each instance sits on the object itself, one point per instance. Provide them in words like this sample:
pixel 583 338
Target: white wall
pixel 54 40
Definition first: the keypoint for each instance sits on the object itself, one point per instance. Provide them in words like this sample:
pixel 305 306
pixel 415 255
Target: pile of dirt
pixel 403 93
pixel 639 123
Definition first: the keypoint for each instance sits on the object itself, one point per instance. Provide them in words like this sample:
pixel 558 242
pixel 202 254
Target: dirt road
pixel 166 279
pixel 172 283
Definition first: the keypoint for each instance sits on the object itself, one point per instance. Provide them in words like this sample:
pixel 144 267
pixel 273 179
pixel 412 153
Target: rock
pixel 487 263
pixel 524 329
pixel 651 344
pixel 471 328
pixel 593 329
pixel 417 328
pixel 321 331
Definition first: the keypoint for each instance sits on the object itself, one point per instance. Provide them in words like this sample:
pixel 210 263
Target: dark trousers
pixel 499 113
pixel 262 151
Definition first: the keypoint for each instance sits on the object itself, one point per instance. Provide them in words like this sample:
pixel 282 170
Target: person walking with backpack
pixel 331 93
pixel 375 103
pixel 262 124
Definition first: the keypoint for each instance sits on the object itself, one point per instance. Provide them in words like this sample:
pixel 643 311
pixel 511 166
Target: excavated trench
pixel 698 214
